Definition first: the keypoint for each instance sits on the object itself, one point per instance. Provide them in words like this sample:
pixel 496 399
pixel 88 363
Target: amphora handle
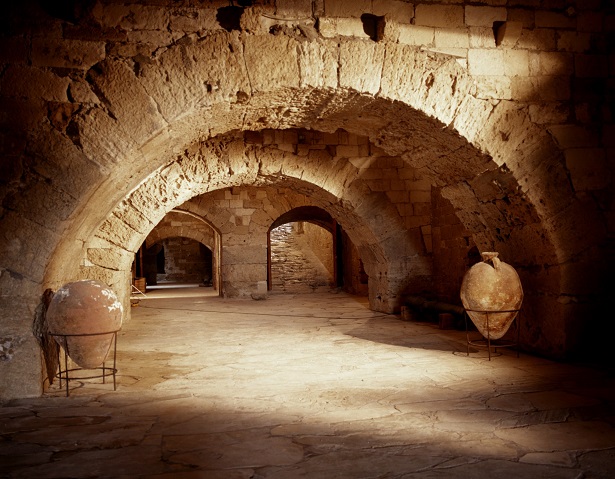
pixel 493 257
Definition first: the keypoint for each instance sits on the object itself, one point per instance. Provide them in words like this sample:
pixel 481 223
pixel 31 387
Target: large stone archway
pixel 406 109
pixel 165 125
pixel 179 223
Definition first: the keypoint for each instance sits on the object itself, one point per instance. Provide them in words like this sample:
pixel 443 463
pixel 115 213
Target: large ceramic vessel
pixel 491 293
pixel 82 311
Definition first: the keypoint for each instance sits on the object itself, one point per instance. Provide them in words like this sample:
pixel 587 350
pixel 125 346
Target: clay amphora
pixel 491 286
pixel 86 307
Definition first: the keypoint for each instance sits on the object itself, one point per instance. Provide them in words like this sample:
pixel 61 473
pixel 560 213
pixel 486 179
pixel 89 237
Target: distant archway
pixel 326 247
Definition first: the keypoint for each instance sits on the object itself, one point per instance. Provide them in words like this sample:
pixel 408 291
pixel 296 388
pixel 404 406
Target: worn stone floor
pixel 310 386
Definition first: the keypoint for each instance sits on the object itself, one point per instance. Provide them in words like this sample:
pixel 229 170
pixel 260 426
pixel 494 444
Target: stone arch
pixel 399 88
pixel 179 223
pixel 380 238
pixel 310 214
pixel 503 173
pixel 206 236
pixel 305 213
pixel 402 91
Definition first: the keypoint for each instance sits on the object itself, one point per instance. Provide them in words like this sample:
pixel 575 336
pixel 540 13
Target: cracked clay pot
pixel 494 287
pixel 82 311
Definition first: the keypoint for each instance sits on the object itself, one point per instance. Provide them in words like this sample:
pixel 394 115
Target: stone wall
pixel 185 262
pixel 295 268
pixel 179 224
pixel 454 250
pixel 320 241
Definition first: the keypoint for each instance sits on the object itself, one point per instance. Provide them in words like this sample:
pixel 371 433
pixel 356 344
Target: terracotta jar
pixel 490 287
pixel 82 311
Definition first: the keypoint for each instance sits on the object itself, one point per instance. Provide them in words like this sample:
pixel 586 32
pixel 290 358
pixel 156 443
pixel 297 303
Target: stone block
pixel 412 221
pixel 476 16
pixel 237 250
pixel 399 196
pixel 288 147
pixel 81 92
pixel 361 66
pixel 331 27
pixel 398 185
pixel 132 217
pixel 379 185
pixel 132 105
pixel 579 227
pixel 416 35
pixel 280 68
pixel 363 162
pixel 268 137
pixel 442 16
pixel 539 39
pixel 574 41
pixel 451 38
pixel 459 53
pixel 192 20
pixel 550 19
pixel 243 212
pixel 421 209
pixel 588 168
pixel 508 33
pixel 331 138
pixel 550 113
pixel 108 258
pixel 48 52
pixel 405 209
pixel 486 62
pixel 347 151
pixel 516 63
pixel 20 358
pixel 481 37
pixel 428 242
pixel 319 155
pixel 523 16
pixel 390 173
pixel 419 185
pixel 27 82
pixel 155 38
pixel 397 11
pixel 406 173
pixel 293 8
pixel 347 8
pixel 493 87
pixel 417 196
pixel 318 63
pixel 552 63
pixel 231 194
pixel 303 150
pixel 552 88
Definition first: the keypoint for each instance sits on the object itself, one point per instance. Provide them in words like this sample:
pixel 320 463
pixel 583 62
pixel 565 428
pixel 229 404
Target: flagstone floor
pixel 310 386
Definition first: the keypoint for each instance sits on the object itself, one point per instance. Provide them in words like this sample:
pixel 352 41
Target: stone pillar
pixel 244 265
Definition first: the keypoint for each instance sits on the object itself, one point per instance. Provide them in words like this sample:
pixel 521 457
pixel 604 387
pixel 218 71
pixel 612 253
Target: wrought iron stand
pixel 105 371
pixel 488 343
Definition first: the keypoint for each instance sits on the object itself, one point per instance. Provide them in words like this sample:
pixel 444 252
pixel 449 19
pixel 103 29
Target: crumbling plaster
pixel 139 100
